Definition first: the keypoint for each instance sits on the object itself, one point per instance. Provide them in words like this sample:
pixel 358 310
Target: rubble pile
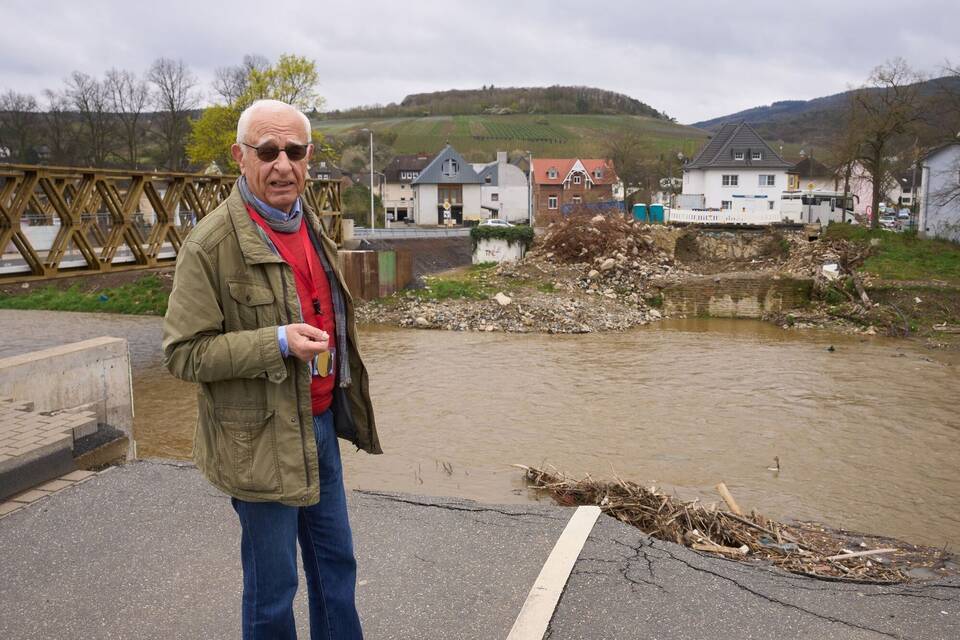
pixel 586 274
pixel 541 313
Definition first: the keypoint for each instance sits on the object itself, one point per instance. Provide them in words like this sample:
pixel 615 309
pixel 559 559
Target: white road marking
pixel 540 604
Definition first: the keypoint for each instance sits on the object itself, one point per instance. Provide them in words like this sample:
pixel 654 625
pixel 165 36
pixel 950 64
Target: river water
pixel 868 435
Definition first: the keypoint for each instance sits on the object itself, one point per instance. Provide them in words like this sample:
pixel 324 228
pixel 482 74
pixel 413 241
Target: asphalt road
pixel 149 550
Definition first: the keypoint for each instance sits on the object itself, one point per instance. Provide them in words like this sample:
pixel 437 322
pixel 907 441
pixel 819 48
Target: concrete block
pixel 88 375
pixel 30 496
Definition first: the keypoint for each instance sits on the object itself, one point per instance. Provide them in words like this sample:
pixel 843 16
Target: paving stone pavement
pixel 149 550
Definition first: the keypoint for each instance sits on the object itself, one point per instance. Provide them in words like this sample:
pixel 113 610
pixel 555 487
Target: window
pixel 756 155
pixel 731 180
pixel 726 204
pixel 552 173
pixel 577 178
pixel 488 179
pixel 598 174
pixel 770 204
pixel 552 202
pixel 450 168
pixel 403 186
pixel 738 155
pixel 402 199
pixel 768 180
pixel 495 197
pixel 577 199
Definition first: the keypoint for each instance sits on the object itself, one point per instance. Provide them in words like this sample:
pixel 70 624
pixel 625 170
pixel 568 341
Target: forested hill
pixel 502 101
pixel 817 120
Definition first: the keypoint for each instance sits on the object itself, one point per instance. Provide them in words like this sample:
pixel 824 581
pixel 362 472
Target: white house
pixel 447 190
pixel 736 171
pixel 504 190
pixel 939 193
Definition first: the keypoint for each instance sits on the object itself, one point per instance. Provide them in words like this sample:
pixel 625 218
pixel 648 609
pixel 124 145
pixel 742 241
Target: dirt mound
pixel 584 238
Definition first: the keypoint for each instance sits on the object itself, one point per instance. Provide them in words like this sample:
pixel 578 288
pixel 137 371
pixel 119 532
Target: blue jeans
pixel 268 550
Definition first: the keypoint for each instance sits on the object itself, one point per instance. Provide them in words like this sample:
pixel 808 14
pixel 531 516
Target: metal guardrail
pixel 67 221
pixel 416 232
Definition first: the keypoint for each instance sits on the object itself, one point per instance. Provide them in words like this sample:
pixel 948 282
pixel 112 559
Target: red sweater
pixel 311 284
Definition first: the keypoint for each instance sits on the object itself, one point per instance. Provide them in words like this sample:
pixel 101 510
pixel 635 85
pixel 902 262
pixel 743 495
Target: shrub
pixel 517 234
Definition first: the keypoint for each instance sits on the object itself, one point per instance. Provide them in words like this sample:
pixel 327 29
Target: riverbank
pixel 169 567
pixel 608 274
pixel 601 274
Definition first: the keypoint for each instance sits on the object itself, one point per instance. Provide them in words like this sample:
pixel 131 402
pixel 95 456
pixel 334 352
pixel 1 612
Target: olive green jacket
pixel 254 437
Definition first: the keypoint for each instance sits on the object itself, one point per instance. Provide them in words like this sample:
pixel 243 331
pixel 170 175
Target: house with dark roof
pixel 504 190
pixel 447 190
pixel 561 184
pixel 399 175
pixel 809 174
pixel 735 171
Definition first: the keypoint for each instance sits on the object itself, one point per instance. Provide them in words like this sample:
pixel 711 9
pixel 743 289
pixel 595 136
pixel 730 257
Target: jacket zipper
pixel 296 385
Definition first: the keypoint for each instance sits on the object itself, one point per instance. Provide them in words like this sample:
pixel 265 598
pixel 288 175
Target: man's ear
pixel 237 152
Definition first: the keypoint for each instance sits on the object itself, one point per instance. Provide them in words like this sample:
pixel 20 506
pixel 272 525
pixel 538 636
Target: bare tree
pixel 60 128
pixel 638 174
pixel 175 98
pixel 231 83
pixel 884 113
pixel 128 96
pixel 90 98
pixel 18 115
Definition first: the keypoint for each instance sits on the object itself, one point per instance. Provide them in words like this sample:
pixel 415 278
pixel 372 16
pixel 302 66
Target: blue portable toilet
pixel 640 212
pixel 656 213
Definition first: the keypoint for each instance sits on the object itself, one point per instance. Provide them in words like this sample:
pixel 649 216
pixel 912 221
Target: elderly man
pixel 260 317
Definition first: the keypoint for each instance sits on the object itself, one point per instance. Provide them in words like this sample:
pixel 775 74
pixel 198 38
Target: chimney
pixel 501 157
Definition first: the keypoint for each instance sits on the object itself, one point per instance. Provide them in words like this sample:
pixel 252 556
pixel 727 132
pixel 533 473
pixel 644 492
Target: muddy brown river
pixel 868 435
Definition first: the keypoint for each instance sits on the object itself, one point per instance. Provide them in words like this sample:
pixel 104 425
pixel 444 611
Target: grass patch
pixel 903 256
pixel 146 296
pixel 547 287
pixel 482 266
pixel 452 288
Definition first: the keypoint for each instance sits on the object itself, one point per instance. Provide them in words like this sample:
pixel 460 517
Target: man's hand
pixel 305 341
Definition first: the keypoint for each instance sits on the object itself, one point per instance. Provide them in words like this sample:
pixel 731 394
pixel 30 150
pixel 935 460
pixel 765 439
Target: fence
pixel 695 216
pixel 67 221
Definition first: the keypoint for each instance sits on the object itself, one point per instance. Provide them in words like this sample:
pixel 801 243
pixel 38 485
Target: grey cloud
pixel 692 59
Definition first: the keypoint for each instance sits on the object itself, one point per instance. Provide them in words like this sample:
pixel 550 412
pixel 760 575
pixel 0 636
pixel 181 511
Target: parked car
pixel 888 221
pixel 495 222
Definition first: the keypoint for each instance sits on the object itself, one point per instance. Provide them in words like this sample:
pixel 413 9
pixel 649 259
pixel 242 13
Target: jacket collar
pixel 254 248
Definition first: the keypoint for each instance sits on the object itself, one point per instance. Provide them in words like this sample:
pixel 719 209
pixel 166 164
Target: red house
pixel 562 183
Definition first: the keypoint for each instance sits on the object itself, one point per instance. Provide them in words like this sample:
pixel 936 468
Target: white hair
pixel 244 122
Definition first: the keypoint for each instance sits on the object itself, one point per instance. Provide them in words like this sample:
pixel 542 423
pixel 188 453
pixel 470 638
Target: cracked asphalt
pixel 150 550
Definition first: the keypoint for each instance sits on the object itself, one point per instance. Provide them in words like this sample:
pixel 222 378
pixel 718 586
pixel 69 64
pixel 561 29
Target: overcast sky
pixel 691 59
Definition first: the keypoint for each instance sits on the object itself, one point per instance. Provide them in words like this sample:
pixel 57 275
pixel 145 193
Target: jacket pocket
pixel 248 449
pixel 254 304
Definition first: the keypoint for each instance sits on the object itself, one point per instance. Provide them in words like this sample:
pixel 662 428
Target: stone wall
pixel 735 295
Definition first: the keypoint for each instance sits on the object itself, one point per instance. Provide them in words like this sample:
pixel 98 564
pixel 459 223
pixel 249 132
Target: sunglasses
pixel 270 152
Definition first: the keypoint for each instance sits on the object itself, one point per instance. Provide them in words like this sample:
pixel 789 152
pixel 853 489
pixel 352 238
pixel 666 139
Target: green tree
pixel 212 135
pixel 355 204
pixel 293 79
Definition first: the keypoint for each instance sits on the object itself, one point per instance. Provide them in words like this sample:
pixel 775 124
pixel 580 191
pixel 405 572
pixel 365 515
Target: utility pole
pixel 372 216
pixel 530 188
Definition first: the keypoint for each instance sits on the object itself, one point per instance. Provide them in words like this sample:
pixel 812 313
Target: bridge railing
pixel 68 221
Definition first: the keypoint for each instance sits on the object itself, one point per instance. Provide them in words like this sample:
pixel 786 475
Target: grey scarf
pixel 284 223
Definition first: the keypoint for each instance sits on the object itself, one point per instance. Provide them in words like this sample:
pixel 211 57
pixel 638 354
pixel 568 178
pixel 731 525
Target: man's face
pixel 280 182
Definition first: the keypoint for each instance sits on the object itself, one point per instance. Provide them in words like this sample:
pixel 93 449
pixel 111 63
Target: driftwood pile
pixel 802 548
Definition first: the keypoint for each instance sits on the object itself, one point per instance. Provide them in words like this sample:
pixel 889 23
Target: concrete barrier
pixel 497 250
pixel 91 375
